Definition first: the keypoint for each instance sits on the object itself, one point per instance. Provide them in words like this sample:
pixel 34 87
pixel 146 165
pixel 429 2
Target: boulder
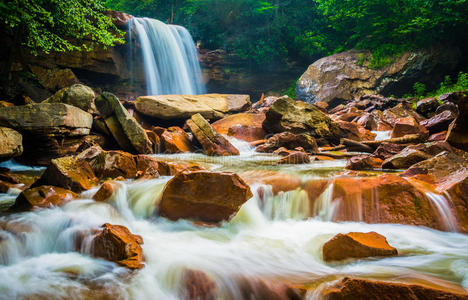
pixel 405 159
pixel 54 78
pixel 117 244
pixel 387 150
pixel 355 132
pixel 204 196
pixel 295 157
pixel 78 95
pixel 47 118
pixel 106 191
pixel 212 142
pixel 364 162
pixel 153 166
pixel 354 288
pixel 43 196
pixel 109 164
pixel 427 106
pixel 299 117
pixel 11 143
pixel 280 182
pixel 436 137
pixel 181 107
pixel 289 141
pixel 439 122
pixel 342 77
pixel 457 134
pixel 405 126
pixel 197 285
pixel 243 126
pixel 69 173
pixel 124 128
pixel 357 245
pixel 175 140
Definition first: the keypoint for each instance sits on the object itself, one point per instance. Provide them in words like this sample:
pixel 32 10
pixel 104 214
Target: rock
pixel 106 191
pixel 357 245
pixel 204 196
pixel 405 159
pixel 364 162
pixel 387 150
pixel 405 126
pixel 173 107
pixel 453 97
pixel 266 289
pixel 116 243
pixel 266 103
pixel 289 141
pixel 353 288
pixel 212 142
pixel 78 95
pixel 43 196
pixel 440 136
pixel 340 77
pixel 355 132
pixel 6 104
pixel 280 182
pixel 152 166
pixel 447 106
pixel 47 118
pixel 175 140
pixel 299 117
pixel 349 116
pixel 427 107
pixel 243 126
pixel 11 143
pixel 55 78
pixel 457 134
pixel 69 173
pixel 439 122
pixel 109 164
pixel 197 285
pixel 295 157
pixel 124 128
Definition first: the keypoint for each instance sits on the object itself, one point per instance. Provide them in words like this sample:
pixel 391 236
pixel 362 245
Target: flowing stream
pixel 271 237
pixel 169 57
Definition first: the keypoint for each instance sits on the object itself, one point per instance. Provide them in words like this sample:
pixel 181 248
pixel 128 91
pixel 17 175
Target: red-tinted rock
pixel 106 191
pixel 197 285
pixel 295 157
pixel 355 132
pixel 243 126
pixel 439 122
pixel 457 134
pixel 364 162
pixel 440 136
pixel 357 245
pixel 289 141
pixel 176 140
pixel 204 196
pixel 405 159
pixel 266 289
pixel 280 182
pixel 386 150
pixel 407 125
pixel 109 164
pixel 43 196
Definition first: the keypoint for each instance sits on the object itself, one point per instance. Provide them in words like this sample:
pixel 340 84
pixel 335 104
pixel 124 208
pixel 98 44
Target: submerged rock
pixel 116 243
pixel 243 126
pixel 212 142
pixel 357 245
pixel 204 196
pixel 197 285
pixel 11 143
pixel 78 95
pixel 43 196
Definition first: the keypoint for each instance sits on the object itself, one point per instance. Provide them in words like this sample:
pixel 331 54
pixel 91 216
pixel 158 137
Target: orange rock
pixel 407 125
pixel 197 285
pixel 440 136
pixel 355 132
pixel 289 141
pixel 357 245
pixel 109 164
pixel 43 196
pixel 176 140
pixel 280 182
pixel 267 289
pixel 295 157
pixel 204 196
pixel 106 191
pixel 116 243
pixel 364 162
pixel 243 126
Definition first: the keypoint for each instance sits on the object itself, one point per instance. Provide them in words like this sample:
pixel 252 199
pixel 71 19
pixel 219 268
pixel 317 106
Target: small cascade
pixel 285 205
pixel 382 135
pixel 169 57
pixel 442 204
pixel 324 207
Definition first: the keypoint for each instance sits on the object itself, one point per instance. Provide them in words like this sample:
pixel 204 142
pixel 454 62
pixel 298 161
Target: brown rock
pixel 212 142
pixel 106 191
pixel 197 285
pixel 78 95
pixel 427 106
pixel 43 196
pixel 457 134
pixel 116 243
pixel 152 166
pixel 267 289
pixel 109 164
pixel 386 150
pixel 280 182
pixel 364 162
pixel 407 125
pixel 176 140
pixel 355 132
pixel 295 157
pixel 289 141
pixel 439 122
pixel 357 245
pixel 440 136
pixel 243 126
pixel 11 143
pixel 204 196
pixel 405 159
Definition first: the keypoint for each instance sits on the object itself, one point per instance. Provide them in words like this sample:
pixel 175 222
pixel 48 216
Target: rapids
pixel 272 236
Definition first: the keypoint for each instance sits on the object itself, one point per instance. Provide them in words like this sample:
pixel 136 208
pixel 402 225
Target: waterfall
pixel 169 57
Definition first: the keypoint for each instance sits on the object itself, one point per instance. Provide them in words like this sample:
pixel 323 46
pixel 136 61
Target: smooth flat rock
pixel 11 143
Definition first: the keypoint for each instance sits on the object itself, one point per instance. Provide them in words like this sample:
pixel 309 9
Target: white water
pixel 442 205
pixel 382 135
pixel 169 57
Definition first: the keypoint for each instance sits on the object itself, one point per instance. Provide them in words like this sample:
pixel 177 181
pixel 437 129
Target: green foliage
pixel 360 59
pixel 419 89
pixel 446 86
pixel 58 25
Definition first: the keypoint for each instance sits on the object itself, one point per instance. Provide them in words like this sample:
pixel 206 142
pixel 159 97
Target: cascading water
pixel 169 57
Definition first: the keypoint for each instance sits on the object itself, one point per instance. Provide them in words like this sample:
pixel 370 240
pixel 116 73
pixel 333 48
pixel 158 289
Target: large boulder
pixel 43 196
pixel 117 244
pixel 439 122
pixel 405 126
pixel 356 245
pixel 204 196
pixel 123 127
pixel 355 132
pixel 243 126
pixel 457 134
pixel 346 76
pixel 299 117
pixel 11 143
pixel 77 95
pixel 210 106
pixel 212 142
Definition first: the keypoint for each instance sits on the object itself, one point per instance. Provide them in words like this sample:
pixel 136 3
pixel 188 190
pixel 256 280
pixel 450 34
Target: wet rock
pixel 43 196
pixel 130 136
pixel 116 243
pixel 295 157
pixel 353 288
pixel 355 132
pixel 181 107
pixel 405 126
pixel 401 112
pixel 197 285
pixel 439 122
pixel 364 162
pixel 387 150
pixel 299 117
pixel 106 191
pixel 6 104
pixel 266 289
pixel 175 140
pixel 289 141
pixel 204 196
pixel 78 95
pixel 450 106
pixel 453 97
pixel 357 245
pixel 440 136
pixel 427 107
pixel 153 166
pixel 266 103
pixel 69 173
pixel 405 159
pixel 457 134
pixel 280 182
pixel 243 126
pixel 109 164
pixel 11 143
pixel 212 142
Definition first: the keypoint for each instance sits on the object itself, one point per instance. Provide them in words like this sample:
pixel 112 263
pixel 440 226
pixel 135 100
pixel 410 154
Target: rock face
pixel 299 117
pixel 210 106
pixel 11 143
pixel 357 245
pixel 123 127
pixel 78 95
pixel 243 126
pixel 43 196
pixel 116 243
pixel 212 142
pixel 353 288
pixel 204 196
pixel 341 77
pixel 457 134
